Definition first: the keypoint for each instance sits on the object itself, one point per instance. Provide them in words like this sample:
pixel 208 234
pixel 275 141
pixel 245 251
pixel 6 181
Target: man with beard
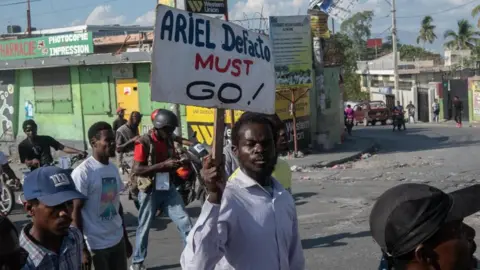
pixel 419 227
pixel 100 217
pixel 251 223
pixel 282 172
pixel 50 241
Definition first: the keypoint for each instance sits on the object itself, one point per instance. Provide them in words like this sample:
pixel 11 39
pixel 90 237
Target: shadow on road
pixel 171 266
pixel 331 240
pixel 415 139
pixel 300 198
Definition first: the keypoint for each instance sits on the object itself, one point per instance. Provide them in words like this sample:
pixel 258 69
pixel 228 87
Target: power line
pixel 18 3
pixel 62 10
pixel 430 14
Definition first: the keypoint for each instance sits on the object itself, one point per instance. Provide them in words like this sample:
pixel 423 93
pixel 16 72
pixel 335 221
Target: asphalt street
pixel 333 204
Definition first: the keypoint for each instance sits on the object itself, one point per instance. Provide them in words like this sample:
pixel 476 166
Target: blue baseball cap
pixel 51 186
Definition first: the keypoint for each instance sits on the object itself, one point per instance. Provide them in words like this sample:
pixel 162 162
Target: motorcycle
pixel 349 124
pixel 66 163
pixel 191 186
pixel 7 197
pixel 398 121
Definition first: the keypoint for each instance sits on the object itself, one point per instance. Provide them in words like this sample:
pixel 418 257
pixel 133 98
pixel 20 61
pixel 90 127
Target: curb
pixel 372 145
pixel 369 149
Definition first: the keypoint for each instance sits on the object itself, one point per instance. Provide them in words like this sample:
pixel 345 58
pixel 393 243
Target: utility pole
pixel 29 20
pixel 394 47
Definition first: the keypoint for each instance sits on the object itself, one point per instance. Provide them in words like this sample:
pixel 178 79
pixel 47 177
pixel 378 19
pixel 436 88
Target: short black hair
pixel 28 122
pixel 94 130
pixel 278 124
pixel 251 118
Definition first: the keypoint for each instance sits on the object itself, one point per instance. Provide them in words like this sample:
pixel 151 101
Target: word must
pixel 232 65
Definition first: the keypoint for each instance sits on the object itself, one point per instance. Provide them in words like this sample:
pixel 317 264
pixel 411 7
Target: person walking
pixel 250 221
pixel 50 240
pixel 120 120
pixel 436 110
pixel 100 217
pixel 457 111
pixel 155 164
pixel 125 138
pixel 411 112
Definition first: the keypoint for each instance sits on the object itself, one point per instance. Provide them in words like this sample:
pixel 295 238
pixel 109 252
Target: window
pixel 52 90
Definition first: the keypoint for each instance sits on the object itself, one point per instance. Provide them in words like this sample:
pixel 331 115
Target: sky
pixel 62 13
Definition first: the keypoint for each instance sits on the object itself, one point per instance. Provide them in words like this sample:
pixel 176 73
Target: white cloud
pixel 76 22
pixel 147 19
pixel 103 15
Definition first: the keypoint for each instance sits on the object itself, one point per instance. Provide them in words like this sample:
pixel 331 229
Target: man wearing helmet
pixel 155 164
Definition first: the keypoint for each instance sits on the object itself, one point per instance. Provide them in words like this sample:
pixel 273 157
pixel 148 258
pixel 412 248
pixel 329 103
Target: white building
pixel 456 57
pixel 416 82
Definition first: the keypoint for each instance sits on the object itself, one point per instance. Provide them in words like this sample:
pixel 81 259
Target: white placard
pixel 202 61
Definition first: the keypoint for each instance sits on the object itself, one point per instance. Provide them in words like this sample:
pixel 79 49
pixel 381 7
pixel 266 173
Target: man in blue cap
pixel 50 240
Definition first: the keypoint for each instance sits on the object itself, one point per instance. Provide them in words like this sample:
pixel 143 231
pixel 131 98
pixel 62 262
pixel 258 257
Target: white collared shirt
pixel 251 229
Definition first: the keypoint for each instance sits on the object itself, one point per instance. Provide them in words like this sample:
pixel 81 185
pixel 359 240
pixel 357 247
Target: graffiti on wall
pixel 7 88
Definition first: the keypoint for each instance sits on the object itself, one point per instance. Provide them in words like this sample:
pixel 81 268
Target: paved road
pixel 333 204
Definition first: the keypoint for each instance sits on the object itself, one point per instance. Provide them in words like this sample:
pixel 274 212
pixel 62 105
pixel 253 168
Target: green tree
pixel 465 38
pixel 410 53
pixel 358 29
pixel 475 12
pixel 351 79
pixel 427 31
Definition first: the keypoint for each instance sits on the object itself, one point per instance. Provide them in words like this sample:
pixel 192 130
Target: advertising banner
pixel 47 46
pixel 292 47
pixel 206 6
pixel 202 61
pixel 319 24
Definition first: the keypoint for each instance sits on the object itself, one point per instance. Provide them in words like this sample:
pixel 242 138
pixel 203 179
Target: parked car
pixel 371 113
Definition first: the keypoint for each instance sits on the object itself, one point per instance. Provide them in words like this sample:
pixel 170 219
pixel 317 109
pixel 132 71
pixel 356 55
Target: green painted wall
pixel 93 98
pixel 147 106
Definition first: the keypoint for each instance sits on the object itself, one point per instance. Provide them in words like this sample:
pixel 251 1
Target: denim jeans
pixel 172 204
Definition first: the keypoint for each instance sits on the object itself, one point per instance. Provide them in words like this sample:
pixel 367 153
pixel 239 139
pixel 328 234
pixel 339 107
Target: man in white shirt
pixel 251 223
pixel 100 217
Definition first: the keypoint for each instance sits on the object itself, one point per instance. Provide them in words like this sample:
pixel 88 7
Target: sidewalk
pixel 351 149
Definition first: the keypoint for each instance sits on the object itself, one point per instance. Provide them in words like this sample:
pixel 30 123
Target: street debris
pixel 366 155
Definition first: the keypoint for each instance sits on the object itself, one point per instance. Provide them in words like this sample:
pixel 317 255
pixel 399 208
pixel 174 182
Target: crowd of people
pixel 248 221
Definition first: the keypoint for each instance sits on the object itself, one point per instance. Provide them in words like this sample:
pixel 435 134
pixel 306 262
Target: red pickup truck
pixel 371 113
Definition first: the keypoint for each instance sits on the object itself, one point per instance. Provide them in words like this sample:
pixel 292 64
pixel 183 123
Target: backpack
pixel 143 183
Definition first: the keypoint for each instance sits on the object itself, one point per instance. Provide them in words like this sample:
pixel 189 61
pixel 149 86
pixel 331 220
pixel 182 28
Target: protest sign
pixel 202 61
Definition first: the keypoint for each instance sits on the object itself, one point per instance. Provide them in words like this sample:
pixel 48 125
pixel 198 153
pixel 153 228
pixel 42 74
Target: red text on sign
pixel 235 66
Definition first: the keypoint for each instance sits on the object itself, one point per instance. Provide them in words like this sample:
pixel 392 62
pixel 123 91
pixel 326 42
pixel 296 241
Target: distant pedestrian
pixel 436 111
pixel 50 240
pixel 457 111
pixel 120 120
pixel 411 112
pixel 419 227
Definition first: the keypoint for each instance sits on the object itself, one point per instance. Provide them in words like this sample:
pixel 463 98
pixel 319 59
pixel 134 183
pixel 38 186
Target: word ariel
pixel 198 32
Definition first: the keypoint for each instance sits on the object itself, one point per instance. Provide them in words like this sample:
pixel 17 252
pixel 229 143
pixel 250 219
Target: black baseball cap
pixel 409 214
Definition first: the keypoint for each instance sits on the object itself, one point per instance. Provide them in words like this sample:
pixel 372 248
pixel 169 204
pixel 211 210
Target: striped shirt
pixel 40 258
pixel 252 228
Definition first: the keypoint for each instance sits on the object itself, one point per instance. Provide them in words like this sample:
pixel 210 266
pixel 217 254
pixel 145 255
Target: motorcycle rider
pixel 155 163
pixel 35 150
pixel 349 115
pixel 399 114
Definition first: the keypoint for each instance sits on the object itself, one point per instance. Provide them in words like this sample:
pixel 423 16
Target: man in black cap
pixel 419 227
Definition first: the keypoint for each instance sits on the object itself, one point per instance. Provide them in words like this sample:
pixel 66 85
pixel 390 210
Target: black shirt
pixel 39 149
pixel 118 123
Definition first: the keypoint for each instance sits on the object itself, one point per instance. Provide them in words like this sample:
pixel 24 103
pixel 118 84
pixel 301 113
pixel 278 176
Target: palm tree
pixel 427 31
pixel 465 38
pixel 475 12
